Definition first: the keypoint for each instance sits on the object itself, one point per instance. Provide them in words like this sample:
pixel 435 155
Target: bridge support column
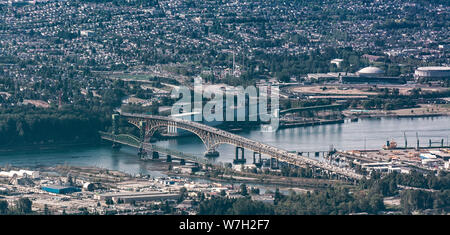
pixel 143 126
pixel 237 160
pixel 259 163
pixel 182 162
pixel 142 153
pixel 115 130
pixel 169 158
pixel 273 163
pixel 115 124
pixel 155 155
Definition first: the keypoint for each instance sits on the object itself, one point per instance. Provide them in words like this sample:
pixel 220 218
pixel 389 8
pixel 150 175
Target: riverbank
pixel 292 124
pixel 49 146
pixel 423 111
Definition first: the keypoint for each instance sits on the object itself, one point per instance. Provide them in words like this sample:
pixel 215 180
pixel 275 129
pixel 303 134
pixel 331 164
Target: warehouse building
pixel 432 72
pixel 60 189
pixel 127 197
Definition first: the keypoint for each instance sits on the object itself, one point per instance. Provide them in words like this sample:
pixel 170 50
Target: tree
pixel 244 191
pixel 376 203
pixel 183 194
pixel 3 207
pixel 24 205
pixel 277 197
pixel 46 211
pixel 109 201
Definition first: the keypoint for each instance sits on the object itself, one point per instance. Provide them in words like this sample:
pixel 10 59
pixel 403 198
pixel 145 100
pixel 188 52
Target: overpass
pixel 212 137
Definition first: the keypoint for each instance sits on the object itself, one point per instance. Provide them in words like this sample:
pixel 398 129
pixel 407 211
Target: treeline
pixel 229 206
pixel 30 125
pixel 333 201
pixel 420 200
pixel 23 206
pixel 387 185
pixel 430 191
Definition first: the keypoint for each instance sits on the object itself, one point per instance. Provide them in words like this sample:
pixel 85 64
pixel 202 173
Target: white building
pixel 370 72
pixel 432 72
pixel 20 173
pixel 337 62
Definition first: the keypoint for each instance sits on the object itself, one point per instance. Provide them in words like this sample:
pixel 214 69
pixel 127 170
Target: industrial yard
pixel 88 190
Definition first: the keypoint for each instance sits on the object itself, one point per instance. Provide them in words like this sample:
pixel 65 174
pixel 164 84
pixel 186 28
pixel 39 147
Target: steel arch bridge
pixel 212 137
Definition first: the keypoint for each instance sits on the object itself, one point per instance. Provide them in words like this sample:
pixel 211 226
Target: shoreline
pixel 55 146
pixel 404 115
pixel 52 146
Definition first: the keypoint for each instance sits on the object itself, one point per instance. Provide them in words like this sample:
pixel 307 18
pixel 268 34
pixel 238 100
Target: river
pixel 364 134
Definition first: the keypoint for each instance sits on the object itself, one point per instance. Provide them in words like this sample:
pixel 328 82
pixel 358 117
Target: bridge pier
pixel 182 162
pixel 169 158
pixel 142 153
pixel 155 155
pixel 274 164
pixel 237 160
pixel 259 163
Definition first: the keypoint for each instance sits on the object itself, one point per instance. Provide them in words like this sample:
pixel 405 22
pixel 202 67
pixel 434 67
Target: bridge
pixel 212 137
pixel 133 141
